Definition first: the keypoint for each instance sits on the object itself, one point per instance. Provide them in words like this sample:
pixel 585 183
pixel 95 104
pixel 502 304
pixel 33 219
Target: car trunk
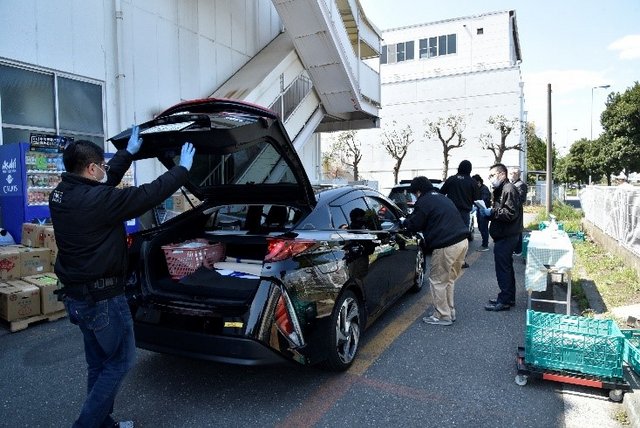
pixel 233 242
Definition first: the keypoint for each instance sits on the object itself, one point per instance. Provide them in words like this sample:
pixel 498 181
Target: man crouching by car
pixel 437 217
pixel 88 214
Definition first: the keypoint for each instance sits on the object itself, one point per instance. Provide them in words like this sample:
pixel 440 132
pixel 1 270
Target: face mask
pixel 495 182
pixel 104 176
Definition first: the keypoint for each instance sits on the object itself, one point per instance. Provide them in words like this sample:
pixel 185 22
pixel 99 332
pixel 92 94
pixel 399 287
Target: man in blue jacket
pixel 88 214
pixel 437 217
pixel 505 228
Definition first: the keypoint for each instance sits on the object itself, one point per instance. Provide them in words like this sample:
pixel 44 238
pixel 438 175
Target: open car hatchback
pixel 261 268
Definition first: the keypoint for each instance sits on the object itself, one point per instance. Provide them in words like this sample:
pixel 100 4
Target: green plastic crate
pixel 584 345
pixel 525 245
pixel 632 349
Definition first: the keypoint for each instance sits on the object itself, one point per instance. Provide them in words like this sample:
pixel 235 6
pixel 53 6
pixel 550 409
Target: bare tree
pixel 504 126
pixel 396 143
pixel 449 131
pixel 349 150
pixel 332 167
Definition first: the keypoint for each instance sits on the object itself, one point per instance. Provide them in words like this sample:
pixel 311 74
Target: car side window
pixel 384 213
pixel 359 215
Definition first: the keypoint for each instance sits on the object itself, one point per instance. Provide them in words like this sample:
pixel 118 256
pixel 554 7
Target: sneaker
pixel 517 254
pixel 436 321
pixel 465 265
pixel 494 301
pixel 123 424
pixel 497 307
pixel 483 249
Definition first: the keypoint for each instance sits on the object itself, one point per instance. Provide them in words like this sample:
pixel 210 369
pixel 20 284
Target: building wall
pixel 172 50
pixel 480 80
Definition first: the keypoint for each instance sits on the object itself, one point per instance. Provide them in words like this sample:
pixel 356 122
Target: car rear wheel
pixel 418 280
pixel 344 334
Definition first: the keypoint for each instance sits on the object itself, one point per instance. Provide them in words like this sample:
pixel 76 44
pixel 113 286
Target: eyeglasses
pixel 495 174
pixel 103 166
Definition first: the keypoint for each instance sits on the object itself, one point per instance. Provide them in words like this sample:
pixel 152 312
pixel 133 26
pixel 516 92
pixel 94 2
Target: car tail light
pixel 129 240
pixel 286 323
pixel 280 249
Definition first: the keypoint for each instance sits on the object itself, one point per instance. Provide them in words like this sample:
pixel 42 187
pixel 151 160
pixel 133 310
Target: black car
pixel 264 268
pixel 403 198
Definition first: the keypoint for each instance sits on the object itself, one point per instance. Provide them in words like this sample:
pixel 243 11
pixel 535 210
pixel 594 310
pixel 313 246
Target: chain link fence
pixel 615 211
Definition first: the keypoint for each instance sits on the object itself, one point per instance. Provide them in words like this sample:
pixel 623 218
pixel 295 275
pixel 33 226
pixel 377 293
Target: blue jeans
pixel 109 348
pixel 503 257
pixel 483 227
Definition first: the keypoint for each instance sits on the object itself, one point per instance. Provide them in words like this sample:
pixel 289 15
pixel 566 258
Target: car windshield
pixel 256 164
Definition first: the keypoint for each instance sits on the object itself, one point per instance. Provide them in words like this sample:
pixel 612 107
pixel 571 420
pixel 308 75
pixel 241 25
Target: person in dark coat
pixel 88 214
pixel 446 235
pixel 506 225
pixel 462 190
pixel 483 222
pixel 521 186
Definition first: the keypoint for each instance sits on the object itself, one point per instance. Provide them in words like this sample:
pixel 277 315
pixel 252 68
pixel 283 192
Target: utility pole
pixel 548 198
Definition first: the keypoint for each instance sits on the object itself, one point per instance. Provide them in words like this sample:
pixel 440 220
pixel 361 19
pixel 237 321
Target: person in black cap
pixel 462 190
pixel 445 234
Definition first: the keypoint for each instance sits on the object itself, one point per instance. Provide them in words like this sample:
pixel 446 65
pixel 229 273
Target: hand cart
pixel 575 350
pixel 616 387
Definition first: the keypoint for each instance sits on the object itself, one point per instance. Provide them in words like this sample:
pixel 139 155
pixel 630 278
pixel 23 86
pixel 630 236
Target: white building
pixel 464 66
pixel 89 69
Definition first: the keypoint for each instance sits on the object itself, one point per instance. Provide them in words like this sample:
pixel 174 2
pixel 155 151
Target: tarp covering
pixel 616 211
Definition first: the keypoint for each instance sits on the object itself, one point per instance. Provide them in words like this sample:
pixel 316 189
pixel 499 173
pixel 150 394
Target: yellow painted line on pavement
pixel 319 402
pixel 369 353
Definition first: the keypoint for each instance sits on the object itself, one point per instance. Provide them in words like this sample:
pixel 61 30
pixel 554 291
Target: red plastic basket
pixel 185 257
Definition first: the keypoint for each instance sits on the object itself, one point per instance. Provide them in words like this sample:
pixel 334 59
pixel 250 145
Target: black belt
pixel 100 289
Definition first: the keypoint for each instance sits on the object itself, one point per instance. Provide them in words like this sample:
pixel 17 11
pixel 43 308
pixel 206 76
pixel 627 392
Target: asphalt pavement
pixel 408 373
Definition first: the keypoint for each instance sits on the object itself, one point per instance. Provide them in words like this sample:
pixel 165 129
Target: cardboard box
pixel 35 261
pixel 9 262
pixel 47 283
pixel 181 204
pixel 50 243
pixel 19 299
pixel 33 234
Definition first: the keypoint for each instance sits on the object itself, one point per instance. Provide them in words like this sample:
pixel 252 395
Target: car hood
pixel 243 152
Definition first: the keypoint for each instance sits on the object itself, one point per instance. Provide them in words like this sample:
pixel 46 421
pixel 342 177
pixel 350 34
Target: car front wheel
pixel 344 334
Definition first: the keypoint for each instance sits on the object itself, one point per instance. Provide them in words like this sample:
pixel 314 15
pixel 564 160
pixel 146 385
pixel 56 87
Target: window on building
pixel 480 31
pixel 436 46
pixel 397 53
pixel 34 101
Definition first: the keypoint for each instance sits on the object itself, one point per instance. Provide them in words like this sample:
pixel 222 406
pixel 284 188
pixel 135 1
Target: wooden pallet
pixel 23 323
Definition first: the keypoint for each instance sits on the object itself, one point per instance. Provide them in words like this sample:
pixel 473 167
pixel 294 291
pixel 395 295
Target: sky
pixel 574 45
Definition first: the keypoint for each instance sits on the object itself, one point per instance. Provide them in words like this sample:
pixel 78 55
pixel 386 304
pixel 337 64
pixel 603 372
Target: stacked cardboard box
pixel 19 299
pixel 47 283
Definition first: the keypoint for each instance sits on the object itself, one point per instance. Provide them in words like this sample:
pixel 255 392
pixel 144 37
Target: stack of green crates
pixel 579 344
pixel 632 349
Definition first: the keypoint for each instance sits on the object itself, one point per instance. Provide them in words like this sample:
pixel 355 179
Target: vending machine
pixel 29 172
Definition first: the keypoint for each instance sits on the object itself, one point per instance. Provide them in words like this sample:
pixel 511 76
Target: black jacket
pixel 462 190
pixel 522 189
pixel 506 218
pixel 438 219
pixel 485 195
pixel 88 219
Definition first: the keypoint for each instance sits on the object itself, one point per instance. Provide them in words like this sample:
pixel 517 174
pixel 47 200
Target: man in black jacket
pixel 88 215
pixel 505 227
pixel 436 217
